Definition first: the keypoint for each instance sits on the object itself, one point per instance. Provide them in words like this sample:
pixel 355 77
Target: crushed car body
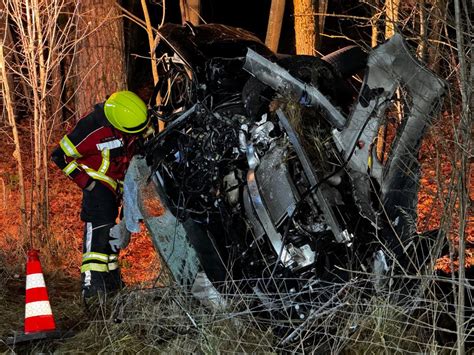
pixel 268 166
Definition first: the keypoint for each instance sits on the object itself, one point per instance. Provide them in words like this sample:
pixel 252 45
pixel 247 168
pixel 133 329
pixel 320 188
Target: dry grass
pixel 171 320
pixel 9 284
pixel 166 320
pixel 63 295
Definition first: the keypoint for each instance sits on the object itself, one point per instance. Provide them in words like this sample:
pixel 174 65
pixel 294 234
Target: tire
pixel 347 61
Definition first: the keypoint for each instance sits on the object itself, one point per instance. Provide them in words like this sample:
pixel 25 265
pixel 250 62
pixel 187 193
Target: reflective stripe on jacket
pixel 94 150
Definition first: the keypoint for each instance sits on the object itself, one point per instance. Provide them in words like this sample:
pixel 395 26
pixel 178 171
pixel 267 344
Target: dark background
pixel 248 14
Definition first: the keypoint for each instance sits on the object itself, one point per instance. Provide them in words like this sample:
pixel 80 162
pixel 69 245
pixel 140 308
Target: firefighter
pixel 95 155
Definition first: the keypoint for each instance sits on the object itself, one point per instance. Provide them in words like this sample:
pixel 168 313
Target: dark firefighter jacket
pixel 94 150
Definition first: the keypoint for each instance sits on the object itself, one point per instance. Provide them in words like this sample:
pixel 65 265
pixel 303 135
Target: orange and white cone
pixel 39 320
pixel 38 313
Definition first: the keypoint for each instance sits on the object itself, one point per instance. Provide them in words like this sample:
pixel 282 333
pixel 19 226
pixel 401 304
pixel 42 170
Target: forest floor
pixel 60 251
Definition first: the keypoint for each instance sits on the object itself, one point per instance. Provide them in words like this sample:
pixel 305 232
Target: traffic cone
pixel 39 320
pixel 38 313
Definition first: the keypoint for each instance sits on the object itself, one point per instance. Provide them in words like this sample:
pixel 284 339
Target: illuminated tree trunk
pixel 100 59
pixel 323 8
pixel 275 20
pixel 374 22
pixel 151 43
pixel 465 72
pixel 391 17
pixel 190 10
pixel 421 50
pixel 7 43
pixel 8 106
pixel 305 27
pixel 438 13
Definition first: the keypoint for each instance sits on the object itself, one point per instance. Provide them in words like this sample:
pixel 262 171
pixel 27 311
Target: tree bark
pixel 190 10
pixel 323 8
pixel 435 23
pixel 152 44
pixel 275 20
pixel 464 145
pixel 305 27
pixel 391 17
pixel 6 40
pixel 100 59
pixel 374 22
pixel 8 104
pixel 423 42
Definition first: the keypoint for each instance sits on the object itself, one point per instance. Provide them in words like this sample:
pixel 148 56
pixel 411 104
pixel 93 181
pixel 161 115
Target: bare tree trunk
pixel 305 27
pixel 41 117
pixel 423 42
pixel 436 22
pixel 462 25
pixel 41 44
pixel 55 98
pixel 7 43
pixel 391 17
pixel 190 11
pixel 275 20
pixel 323 9
pixel 15 58
pixel 100 60
pixel 54 113
pixel 151 44
pixel 374 22
pixel 16 140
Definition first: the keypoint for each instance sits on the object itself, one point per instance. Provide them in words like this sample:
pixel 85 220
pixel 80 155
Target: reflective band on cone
pixel 38 314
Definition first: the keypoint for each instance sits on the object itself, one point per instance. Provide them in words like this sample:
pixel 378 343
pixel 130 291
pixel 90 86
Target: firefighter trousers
pixel 100 272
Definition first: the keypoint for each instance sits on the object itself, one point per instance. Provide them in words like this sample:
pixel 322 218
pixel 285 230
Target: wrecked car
pixel 281 173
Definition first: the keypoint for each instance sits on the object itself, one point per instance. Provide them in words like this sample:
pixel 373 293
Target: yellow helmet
pixel 126 112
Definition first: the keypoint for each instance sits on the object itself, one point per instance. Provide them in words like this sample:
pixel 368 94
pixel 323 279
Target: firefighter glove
pixel 119 236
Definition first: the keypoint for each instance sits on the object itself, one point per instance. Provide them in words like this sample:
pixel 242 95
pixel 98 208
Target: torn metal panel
pixel 280 80
pixel 167 233
pixel 389 67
